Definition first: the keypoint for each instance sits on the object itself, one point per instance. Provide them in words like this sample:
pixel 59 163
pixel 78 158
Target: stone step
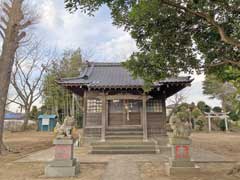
pixel 123 142
pixel 122 137
pixel 165 149
pixel 124 129
pixel 124 151
pixel 124 133
pixel 121 147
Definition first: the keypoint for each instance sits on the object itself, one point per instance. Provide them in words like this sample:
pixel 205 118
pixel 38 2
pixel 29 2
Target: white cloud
pixel 69 31
pixel 49 15
pixel 117 49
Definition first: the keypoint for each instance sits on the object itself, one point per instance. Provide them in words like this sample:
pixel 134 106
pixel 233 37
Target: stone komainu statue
pixel 180 128
pixel 65 129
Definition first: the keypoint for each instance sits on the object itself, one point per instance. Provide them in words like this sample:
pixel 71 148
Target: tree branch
pixel 225 38
pixel 5 11
pixel 6 5
pixel 14 101
pixel 26 24
pixel 2 28
pixel 2 35
pixel 21 36
pixel 5 22
pixel 225 62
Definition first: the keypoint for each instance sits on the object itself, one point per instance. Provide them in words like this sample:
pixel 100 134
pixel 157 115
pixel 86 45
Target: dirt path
pixel 224 144
pixel 31 142
pixel 94 167
pixel 121 169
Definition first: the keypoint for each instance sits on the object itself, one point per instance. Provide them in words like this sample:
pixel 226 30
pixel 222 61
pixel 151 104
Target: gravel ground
pixel 28 163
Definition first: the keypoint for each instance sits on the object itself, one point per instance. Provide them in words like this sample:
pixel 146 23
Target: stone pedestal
pixel 180 163
pixel 63 165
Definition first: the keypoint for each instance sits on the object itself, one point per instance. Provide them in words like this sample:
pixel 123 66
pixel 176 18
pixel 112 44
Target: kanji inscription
pixel 63 152
pixel 182 152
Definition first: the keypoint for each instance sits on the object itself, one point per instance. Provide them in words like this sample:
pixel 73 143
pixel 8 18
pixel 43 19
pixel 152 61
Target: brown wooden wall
pixel 93 119
pixel 92 132
pixel 115 119
pixel 135 118
pixel 119 119
pixel 156 123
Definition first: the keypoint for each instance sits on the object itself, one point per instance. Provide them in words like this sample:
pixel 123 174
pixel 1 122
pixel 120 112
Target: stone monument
pixel 180 163
pixel 63 165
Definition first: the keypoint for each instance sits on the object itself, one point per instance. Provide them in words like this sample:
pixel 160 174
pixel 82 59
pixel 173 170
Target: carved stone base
pixel 180 163
pixel 62 171
pixel 63 165
pixel 184 170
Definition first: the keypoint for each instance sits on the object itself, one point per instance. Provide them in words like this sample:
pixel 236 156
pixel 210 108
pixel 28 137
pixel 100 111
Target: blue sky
pixel 97 38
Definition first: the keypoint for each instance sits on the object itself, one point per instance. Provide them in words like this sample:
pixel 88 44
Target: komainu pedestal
pixel 63 165
pixel 180 163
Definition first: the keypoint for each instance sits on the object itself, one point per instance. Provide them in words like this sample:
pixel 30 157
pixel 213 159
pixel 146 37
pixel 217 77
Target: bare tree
pixel 175 101
pixel 28 71
pixel 13 24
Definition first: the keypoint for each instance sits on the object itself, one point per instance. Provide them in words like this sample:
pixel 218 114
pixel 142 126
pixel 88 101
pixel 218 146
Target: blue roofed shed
pixel 47 122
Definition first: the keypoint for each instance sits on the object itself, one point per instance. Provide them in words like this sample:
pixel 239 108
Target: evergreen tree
pixel 58 100
pixel 175 36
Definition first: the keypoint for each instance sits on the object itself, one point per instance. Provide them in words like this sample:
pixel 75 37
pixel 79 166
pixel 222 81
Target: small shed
pixel 47 122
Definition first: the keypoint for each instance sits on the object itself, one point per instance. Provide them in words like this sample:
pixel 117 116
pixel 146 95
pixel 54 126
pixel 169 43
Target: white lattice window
pixel 94 106
pixel 154 105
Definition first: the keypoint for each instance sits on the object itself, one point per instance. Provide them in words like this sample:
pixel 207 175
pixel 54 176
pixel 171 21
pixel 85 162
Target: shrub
pixel 222 125
pixel 217 109
pixel 199 125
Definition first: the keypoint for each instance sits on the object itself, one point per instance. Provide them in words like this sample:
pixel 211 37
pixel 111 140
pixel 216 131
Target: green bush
pixel 217 109
pixel 79 119
pixel 222 125
pixel 199 124
pixel 234 116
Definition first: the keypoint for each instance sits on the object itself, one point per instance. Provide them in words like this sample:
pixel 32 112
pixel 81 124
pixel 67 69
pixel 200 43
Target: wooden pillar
pixel 164 113
pixel 106 117
pixel 73 105
pixel 144 118
pixel 84 109
pixel 103 130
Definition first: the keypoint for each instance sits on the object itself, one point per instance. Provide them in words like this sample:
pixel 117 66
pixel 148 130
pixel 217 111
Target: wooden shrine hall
pixel 115 104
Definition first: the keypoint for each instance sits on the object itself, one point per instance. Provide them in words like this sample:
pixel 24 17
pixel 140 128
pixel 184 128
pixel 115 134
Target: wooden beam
pixel 124 96
pixel 93 127
pixel 144 118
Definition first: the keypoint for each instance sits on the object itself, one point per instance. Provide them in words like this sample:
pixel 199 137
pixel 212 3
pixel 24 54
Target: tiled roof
pixel 112 75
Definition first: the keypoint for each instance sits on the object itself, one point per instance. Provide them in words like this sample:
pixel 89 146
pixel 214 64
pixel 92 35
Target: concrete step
pixel 124 146
pixel 131 128
pixel 123 142
pixel 109 147
pixel 124 133
pixel 124 151
pixel 165 149
pixel 124 137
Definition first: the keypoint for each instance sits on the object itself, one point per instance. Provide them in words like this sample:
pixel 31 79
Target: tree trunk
pixel 12 34
pixel 5 75
pixel 26 118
